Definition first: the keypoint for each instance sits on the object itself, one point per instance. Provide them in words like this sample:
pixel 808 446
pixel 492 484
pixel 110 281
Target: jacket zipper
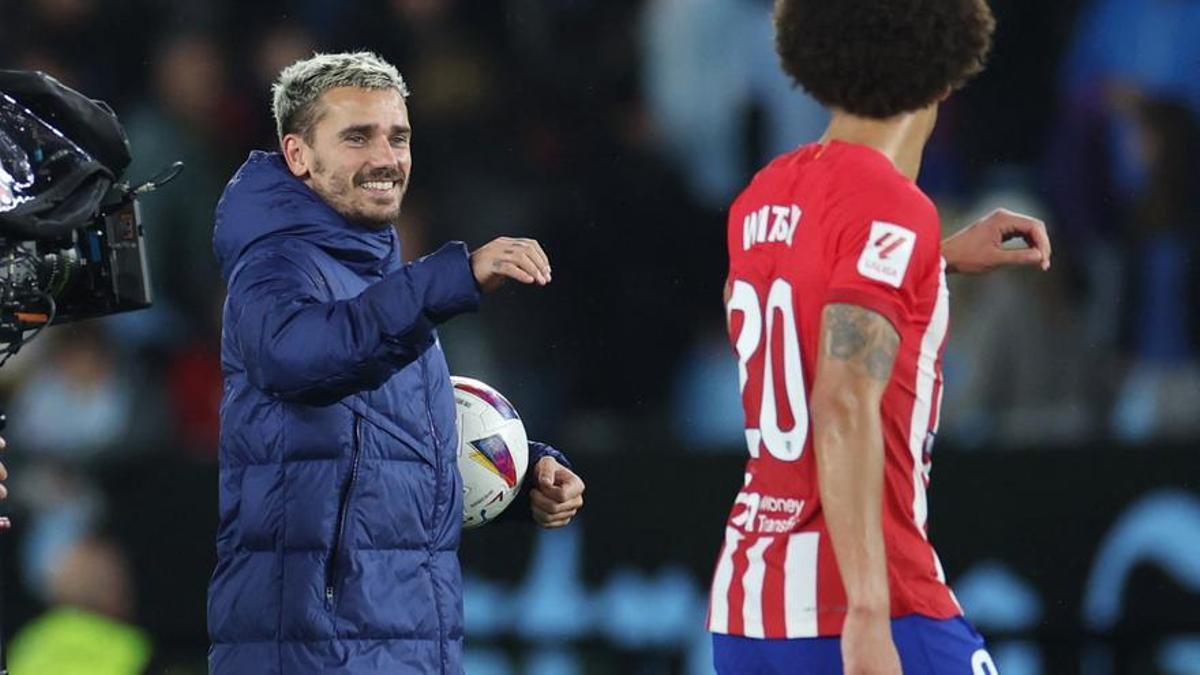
pixel 437 453
pixel 330 579
pixel 437 463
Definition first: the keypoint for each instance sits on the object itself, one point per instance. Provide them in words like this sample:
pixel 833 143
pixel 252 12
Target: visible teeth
pixel 380 185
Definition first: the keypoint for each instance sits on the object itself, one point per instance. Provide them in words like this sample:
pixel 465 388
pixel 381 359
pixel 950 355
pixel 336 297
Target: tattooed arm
pixel 854 365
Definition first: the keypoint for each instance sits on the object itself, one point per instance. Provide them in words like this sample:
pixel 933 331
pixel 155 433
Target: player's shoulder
pixel 853 177
pixel 865 185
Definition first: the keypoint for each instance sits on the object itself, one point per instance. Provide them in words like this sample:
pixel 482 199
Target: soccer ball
pixel 493 451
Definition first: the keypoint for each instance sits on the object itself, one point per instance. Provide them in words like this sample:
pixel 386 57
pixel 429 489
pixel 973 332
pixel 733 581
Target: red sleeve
pixel 881 263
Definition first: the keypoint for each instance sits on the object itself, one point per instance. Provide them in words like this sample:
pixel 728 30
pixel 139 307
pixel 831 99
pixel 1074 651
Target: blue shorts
pixel 926 646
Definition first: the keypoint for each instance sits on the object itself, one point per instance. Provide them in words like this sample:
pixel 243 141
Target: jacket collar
pixel 264 200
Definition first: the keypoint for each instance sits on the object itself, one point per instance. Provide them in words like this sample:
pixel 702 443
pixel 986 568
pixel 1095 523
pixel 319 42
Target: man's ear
pixel 297 154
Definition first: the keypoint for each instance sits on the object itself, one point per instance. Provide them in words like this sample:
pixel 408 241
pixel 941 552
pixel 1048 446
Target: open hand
pixel 558 494
pixel 979 247
pixel 509 258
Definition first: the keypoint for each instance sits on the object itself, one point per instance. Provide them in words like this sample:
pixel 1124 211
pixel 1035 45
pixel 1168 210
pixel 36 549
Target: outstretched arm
pixel 854 364
pixel 296 345
pixel 979 247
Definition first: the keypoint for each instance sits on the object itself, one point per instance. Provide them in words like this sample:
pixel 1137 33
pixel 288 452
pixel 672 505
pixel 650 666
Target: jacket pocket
pixel 420 450
pixel 333 567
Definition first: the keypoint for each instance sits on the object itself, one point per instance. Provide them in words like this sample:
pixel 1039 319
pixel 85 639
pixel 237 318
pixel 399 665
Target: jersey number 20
pixel 787 445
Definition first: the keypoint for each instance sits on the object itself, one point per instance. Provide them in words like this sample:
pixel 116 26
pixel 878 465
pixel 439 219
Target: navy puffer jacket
pixel 340 500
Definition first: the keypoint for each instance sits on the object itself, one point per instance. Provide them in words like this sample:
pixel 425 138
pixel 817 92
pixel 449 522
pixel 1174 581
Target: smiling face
pixel 356 156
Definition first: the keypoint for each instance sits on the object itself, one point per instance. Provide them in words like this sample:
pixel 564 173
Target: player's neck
pixel 901 138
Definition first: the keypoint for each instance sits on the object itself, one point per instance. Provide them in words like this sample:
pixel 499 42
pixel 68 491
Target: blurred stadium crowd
pixel 615 133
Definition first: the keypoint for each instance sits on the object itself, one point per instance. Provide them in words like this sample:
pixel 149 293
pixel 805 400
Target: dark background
pixel 616 133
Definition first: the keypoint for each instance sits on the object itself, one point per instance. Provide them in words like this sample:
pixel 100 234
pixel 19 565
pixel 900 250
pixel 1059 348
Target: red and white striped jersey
pixel 825 224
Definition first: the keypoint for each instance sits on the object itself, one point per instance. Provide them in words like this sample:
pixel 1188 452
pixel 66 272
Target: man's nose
pixel 382 153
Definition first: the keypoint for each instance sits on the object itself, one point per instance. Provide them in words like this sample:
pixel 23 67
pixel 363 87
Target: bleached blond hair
pixel 297 91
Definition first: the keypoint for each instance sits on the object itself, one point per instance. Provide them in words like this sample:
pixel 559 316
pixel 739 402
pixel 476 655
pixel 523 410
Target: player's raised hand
pixel 979 247
pixel 557 495
pixel 509 258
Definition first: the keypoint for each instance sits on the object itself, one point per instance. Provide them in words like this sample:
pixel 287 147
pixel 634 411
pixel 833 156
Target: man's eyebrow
pixel 369 129
pixel 362 129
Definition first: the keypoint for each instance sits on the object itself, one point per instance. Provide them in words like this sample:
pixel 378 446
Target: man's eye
pixel 356 139
pixel 399 140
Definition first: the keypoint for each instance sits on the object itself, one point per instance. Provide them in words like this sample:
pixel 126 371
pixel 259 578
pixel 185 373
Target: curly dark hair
pixel 880 58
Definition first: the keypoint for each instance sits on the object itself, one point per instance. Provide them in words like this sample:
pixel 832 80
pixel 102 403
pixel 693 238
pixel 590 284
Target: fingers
pixel 1043 245
pixel 1032 230
pixel 524 258
pixel 550 521
pixel 568 483
pixel 538 254
pixel 1021 256
pixel 552 507
pixel 506 257
pixel 512 270
pixel 1036 236
pixel 564 486
pixel 5 523
pixel 558 495
pixel 556 522
pixel 546 468
pixel 528 256
pixel 551 514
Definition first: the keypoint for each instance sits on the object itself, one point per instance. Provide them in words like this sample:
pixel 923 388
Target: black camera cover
pixel 61 153
pixel 88 122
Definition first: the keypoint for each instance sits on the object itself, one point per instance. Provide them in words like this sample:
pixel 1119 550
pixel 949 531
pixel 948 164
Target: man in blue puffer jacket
pixel 340 498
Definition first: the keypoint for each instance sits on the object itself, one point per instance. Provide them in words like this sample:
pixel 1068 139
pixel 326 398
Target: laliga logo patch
pixel 886 255
pixel 492 454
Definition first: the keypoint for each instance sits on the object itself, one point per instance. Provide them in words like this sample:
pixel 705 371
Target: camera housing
pixel 72 244
pixel 94 270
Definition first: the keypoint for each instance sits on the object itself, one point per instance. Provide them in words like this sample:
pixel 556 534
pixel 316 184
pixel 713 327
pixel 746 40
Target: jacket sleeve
pixel 298 346
pixel 537 452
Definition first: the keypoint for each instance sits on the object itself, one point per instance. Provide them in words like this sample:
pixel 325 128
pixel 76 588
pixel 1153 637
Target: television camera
pixel 71 239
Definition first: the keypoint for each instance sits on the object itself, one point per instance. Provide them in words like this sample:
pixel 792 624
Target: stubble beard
pixel 339 191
